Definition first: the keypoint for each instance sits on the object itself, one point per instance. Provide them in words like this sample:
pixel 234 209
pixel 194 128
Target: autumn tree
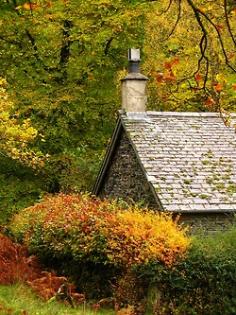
pixel 190 48
pixel 15 136
pixel 61 57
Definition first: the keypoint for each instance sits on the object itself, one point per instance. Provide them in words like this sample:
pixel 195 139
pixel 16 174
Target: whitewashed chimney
pixel 134 96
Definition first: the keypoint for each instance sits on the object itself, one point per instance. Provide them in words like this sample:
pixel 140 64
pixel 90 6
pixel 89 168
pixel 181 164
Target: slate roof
pixel 189 158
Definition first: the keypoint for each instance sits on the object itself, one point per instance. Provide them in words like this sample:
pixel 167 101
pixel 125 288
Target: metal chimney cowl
pixel 134 96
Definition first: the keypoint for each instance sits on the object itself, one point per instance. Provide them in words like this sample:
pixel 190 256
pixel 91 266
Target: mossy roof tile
pixel 192 154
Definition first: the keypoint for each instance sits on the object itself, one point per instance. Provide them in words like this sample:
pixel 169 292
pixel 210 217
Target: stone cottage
pixel 184 163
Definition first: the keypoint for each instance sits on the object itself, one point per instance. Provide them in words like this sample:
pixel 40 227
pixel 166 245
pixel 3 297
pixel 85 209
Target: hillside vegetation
pixel 59 85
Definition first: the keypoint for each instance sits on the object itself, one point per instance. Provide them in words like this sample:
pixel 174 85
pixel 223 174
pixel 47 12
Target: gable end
pixel 124 177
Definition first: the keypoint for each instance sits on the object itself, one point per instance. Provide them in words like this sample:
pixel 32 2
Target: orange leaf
pixel 198 77
pixel 168 65
pixel 202 10
pixel 29 6
pixel 234 86
pixel 175 61
pixel 159 77
pixel 219 27
pixel 218 87
pixel 234 11
pixel 209 102
pixel 49 4
pixel 231 55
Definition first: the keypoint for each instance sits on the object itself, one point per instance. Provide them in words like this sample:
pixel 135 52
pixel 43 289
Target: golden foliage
pixel 15 136
pixel 100 231
pixel 187 85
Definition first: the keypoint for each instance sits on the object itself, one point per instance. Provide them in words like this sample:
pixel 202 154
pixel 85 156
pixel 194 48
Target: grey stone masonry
pixel 124 177
pixel 189 159
pixel 207 222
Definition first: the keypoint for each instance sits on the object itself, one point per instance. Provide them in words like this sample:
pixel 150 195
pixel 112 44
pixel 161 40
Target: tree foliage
pixel 15 136
pixel 191 55
pixel 61 59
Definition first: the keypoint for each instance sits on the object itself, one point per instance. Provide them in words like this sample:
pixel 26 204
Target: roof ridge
pixel 175 114
pixel 189 114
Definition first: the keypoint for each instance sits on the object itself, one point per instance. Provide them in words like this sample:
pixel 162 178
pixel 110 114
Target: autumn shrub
pixel 203 283
pixel 89 236
pixel 16 265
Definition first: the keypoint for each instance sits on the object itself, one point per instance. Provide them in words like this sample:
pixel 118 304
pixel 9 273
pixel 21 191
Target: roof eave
pixel 107 158
pixel 220 211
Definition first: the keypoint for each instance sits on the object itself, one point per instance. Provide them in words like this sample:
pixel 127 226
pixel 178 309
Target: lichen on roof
pixel 189 158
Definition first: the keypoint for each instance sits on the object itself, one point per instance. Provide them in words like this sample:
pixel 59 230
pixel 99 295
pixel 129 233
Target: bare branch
pixel 228 23
pixel 167 9
pixel 33 43
pixel 108 45
pixel 218 34
pixel 177 20
pixel 203 43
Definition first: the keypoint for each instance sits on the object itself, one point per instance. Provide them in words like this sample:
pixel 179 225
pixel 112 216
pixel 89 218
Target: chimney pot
pixel 134 54
pixel 134 96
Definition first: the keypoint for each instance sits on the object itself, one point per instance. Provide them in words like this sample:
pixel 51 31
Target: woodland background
pixel 61 63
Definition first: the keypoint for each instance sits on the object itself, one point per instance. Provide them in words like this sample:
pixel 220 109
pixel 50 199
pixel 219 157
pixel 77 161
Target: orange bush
pixel 88 229
pixel 139 237
pixel 16 265
pixel 50 285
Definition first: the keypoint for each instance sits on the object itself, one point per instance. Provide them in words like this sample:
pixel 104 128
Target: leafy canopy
pixel 15 136
pixel 61 59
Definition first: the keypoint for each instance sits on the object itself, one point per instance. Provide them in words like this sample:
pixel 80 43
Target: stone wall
pixel 125 178
pixel 208 222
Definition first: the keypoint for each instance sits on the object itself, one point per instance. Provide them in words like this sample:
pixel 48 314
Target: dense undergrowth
pixel 98 243
pixel 17 265
pixel 26 289
pixel 18 299
pixel 142 261
pixel 203 283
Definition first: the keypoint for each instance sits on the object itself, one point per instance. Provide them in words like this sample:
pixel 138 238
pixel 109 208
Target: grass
pixel 19 300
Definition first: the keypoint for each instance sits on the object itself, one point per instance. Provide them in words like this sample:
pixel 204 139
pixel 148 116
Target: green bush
pixel 19 188
pixel 204 283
